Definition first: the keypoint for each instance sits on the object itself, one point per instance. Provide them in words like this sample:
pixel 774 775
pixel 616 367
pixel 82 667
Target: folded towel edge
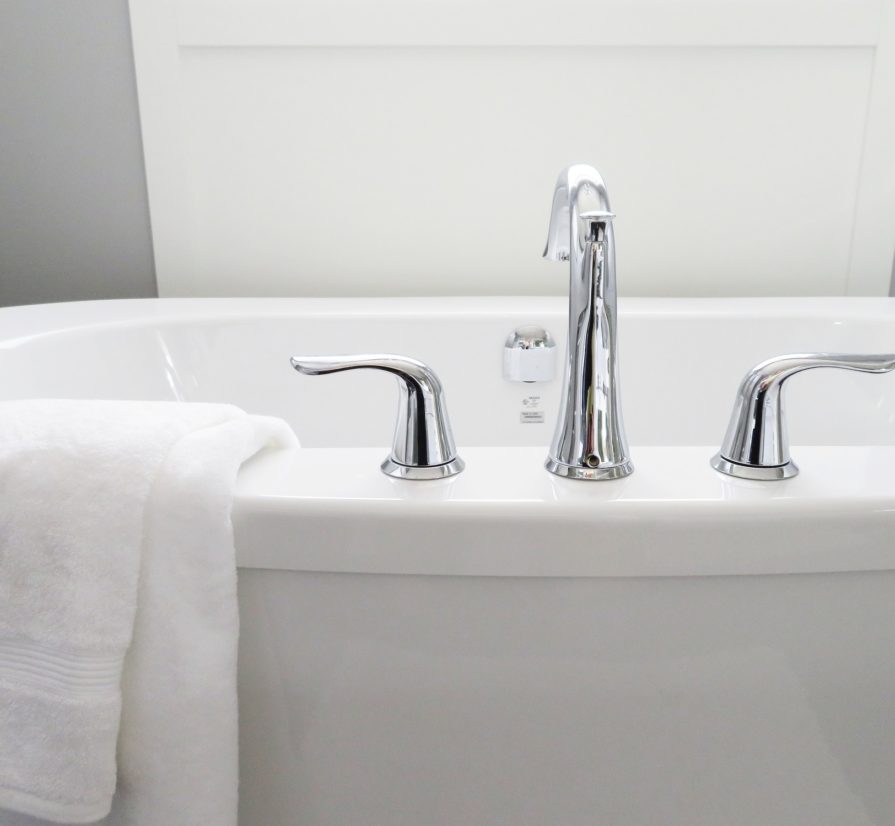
pixel 26 803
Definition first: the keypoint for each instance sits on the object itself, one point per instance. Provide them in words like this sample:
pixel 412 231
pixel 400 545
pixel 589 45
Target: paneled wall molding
pixel 769 124
pixel 529 23
pixel 873 238
pixel 159 91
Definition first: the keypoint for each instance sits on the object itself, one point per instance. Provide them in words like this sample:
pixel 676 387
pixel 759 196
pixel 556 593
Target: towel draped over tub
pixel 118 615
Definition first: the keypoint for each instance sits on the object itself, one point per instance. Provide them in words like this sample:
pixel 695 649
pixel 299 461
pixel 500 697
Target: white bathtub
pixel 507 647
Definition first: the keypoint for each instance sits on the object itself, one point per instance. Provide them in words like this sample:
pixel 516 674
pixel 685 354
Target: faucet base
pixel 760 473
pixel 422 472
pixel 591 474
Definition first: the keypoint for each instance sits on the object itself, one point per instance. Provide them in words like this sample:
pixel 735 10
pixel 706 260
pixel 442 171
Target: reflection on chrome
pixel 423 447
pixel 589 442
pixel 756 445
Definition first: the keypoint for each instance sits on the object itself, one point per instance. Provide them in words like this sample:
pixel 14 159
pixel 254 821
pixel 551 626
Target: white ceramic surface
pixel 506 647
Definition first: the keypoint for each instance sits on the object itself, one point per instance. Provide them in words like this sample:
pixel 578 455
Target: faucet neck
pixel 590 441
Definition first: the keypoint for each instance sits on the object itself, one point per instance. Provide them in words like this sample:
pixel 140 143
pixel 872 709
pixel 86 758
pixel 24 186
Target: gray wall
pixel 74 221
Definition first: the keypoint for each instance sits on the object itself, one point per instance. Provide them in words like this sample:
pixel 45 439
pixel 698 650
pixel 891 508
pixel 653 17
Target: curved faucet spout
pixel 590 441
pixel 579 189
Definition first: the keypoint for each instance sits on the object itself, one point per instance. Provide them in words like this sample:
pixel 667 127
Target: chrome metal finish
pixel 758 473
pixel 596 473
pixel 423 446
pixel 589 442
pixel 529 337
pixel 529 355
pixel 422 472
pixel 756 445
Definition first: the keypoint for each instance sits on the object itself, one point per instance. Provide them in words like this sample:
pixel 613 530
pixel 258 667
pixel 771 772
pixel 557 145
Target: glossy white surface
pixel 505 516
pixel 509 647
pixel 683 356
pixel 685 701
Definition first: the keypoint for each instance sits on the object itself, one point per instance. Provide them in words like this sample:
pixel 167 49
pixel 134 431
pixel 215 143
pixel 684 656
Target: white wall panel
pixel 528 22
pixel 735 163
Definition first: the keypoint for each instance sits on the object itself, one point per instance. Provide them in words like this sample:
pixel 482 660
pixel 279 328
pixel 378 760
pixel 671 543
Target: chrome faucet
pixel 589 442
pixel 756 445
pixel 423 446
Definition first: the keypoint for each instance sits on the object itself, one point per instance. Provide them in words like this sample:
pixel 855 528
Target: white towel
pixel 115 539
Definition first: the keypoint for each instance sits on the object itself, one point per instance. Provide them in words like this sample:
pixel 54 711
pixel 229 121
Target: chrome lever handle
pixel 423 446
pixel 756 445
